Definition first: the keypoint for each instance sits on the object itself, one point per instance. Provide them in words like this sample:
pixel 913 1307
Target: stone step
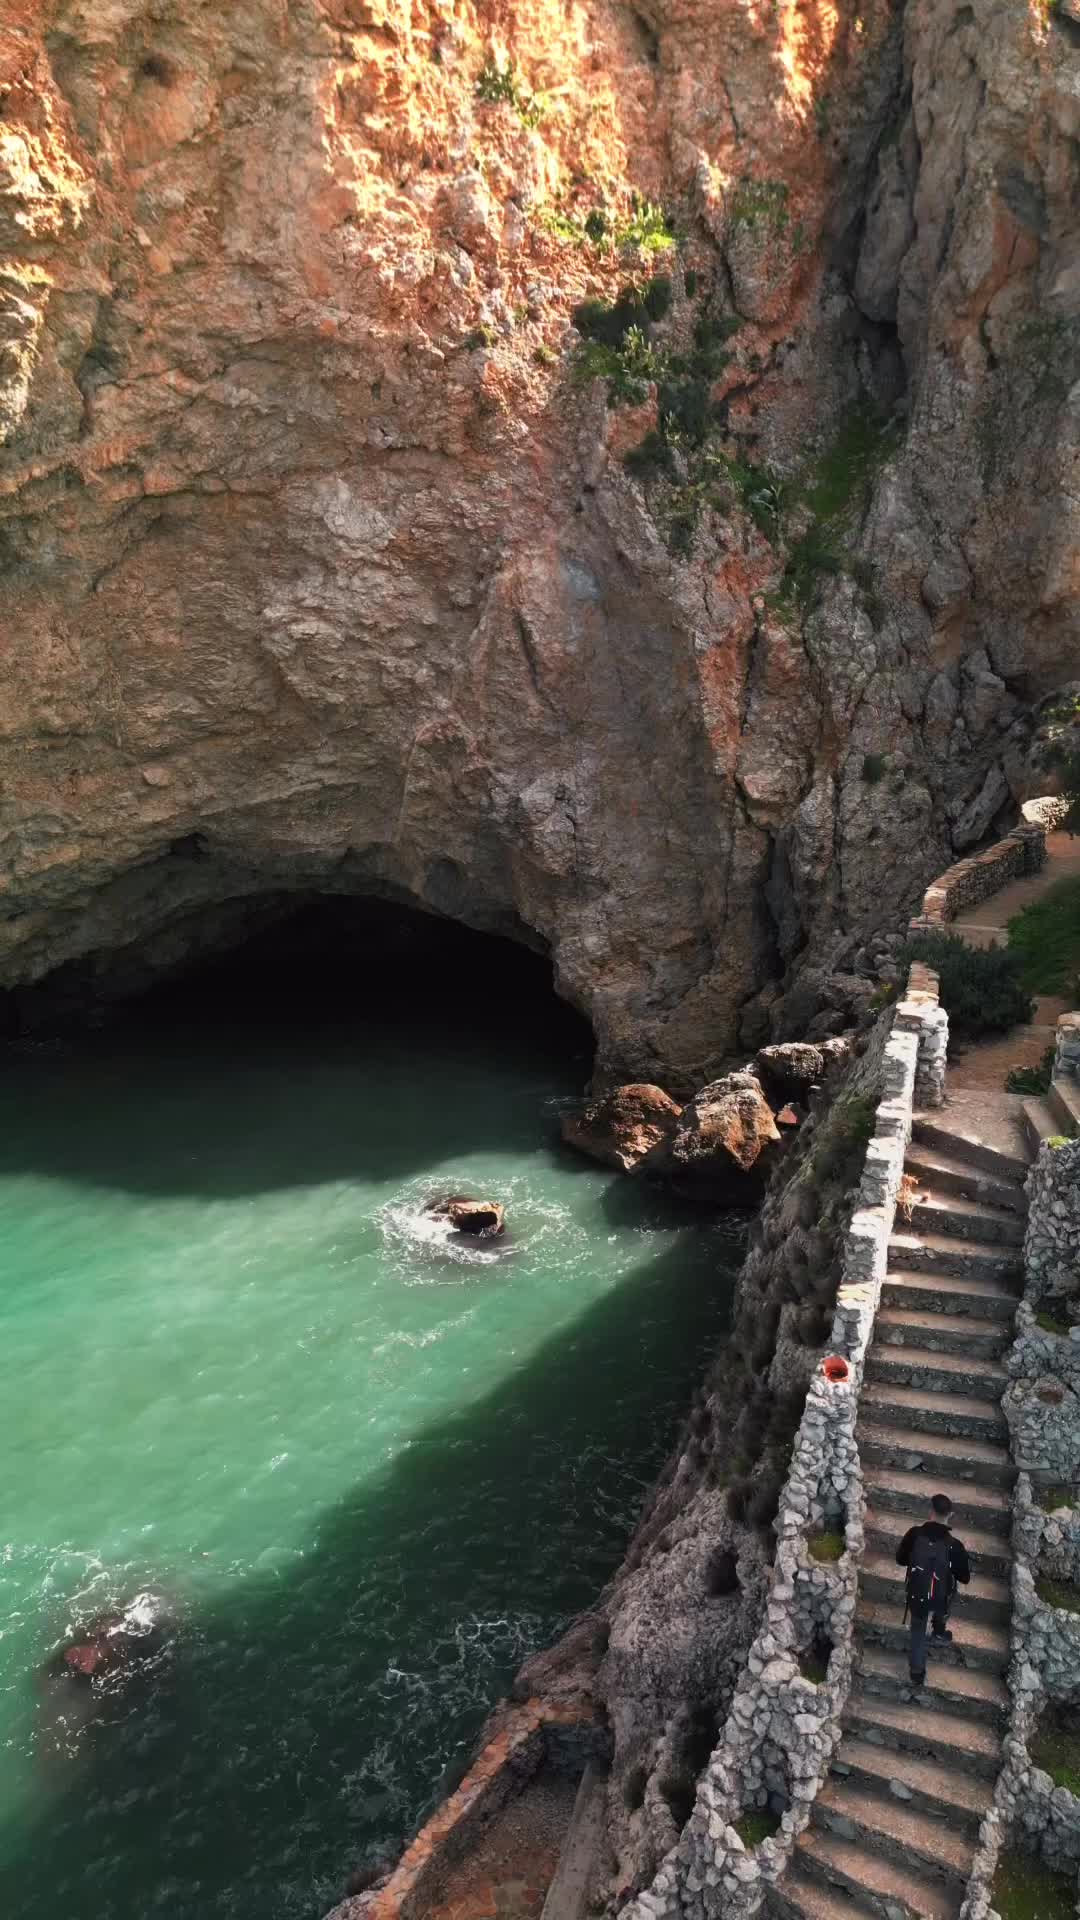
pixel 928 1252
pixel 896 1490
pixel 975 1643
pixel 954 1414
pixel 797 1898
pixel 945 1174
pixel 885 1888
pixel 913 1366
pixel 986 1597
pixel 960 1144
pixel 942 1332
pixel 1040 1122
pixel 1063 1100
pixel 924 1785
pixel 967 1746
pixel 950 1293
pixel 988 1552
pixel 965 1219
pixel 940 1456
pixel 970 1691
pixel 929 1845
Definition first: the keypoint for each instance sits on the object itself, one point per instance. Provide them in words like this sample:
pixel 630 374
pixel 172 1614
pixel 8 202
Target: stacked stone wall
pixel 1042 1405
pixel 1067 1047
pixel 1022 851
pixel 783 1726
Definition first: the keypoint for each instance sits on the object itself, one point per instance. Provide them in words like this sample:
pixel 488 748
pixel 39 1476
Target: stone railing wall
pixel 1021 852
pixel 783 1726
pixel 1067 1047
pixel 1042 1405
pixel 921 1012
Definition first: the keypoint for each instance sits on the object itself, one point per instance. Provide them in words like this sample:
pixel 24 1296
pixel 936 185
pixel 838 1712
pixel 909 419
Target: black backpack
pixel 928 1578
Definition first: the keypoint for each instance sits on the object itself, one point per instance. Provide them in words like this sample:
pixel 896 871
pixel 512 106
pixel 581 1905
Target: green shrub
pixel 1046 939
pixel 981 988
pixel 1032 1079
pixel 647 227
pixel 629 369
pixel 479 337
pixel 499 86
pixel 760 203
pixel 597 226
pixel 840 1148
pixel 690 281
pixel 874 768
pixel 609 321
pixel 1050 1323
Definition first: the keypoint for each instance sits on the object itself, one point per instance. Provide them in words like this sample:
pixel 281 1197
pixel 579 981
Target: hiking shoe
pixel 943 1638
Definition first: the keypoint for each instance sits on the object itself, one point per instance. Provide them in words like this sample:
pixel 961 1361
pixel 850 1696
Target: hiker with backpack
pixel 935 1562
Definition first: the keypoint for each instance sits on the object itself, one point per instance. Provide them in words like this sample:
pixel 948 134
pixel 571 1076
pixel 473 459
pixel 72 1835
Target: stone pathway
pixel 506 1875
pixel 894 1828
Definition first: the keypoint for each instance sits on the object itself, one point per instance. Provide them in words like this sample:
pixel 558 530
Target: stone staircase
pixel 894 1827
pixel 1057 1112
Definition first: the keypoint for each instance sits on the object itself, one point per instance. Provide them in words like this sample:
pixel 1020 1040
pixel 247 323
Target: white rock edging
pixel 782 1729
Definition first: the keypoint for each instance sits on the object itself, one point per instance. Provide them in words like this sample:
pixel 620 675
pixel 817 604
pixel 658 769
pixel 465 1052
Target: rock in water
pixel 482 1219
pixel 623 1126
pixel 722 1142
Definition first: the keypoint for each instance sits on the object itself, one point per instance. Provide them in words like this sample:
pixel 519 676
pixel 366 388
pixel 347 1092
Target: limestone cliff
pixel 319 570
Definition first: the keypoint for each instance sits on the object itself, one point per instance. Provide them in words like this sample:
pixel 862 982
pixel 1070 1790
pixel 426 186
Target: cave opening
pixel 317 962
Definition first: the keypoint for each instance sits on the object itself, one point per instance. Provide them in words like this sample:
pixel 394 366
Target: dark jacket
pixel 959 1565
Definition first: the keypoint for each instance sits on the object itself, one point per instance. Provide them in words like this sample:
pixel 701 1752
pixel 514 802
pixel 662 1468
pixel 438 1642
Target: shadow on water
pixel 280 1748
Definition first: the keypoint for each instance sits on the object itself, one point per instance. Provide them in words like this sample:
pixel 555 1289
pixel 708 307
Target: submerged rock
pixel 722 1142
pixel 483 1219
pixel 623 1126
pixel 113 1647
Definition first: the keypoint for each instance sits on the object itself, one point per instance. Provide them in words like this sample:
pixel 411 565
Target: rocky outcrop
pixel 721 1142
pixel 623 1126
pixel 319 573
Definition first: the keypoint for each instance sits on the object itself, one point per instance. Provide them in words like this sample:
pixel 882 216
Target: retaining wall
pixel 1021 852
pixel 1042 1404
pixel 783 1727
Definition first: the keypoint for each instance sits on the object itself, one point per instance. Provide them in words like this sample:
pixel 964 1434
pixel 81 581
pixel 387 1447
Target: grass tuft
pixel 1058 1593
pixel 753 1828
pixel 1026 1890
pixel 826 1546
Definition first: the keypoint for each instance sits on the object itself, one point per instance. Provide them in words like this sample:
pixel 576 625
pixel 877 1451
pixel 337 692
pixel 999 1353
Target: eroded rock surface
pixel 623 1126
pixel 721 1142
pixel 318 572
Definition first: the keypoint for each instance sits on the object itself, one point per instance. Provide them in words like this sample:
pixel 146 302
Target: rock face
pixel 623 1126
pixel 721 1140
pixel 320 573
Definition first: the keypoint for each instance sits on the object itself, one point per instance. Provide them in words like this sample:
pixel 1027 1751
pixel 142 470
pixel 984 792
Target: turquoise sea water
pixel 362 1475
